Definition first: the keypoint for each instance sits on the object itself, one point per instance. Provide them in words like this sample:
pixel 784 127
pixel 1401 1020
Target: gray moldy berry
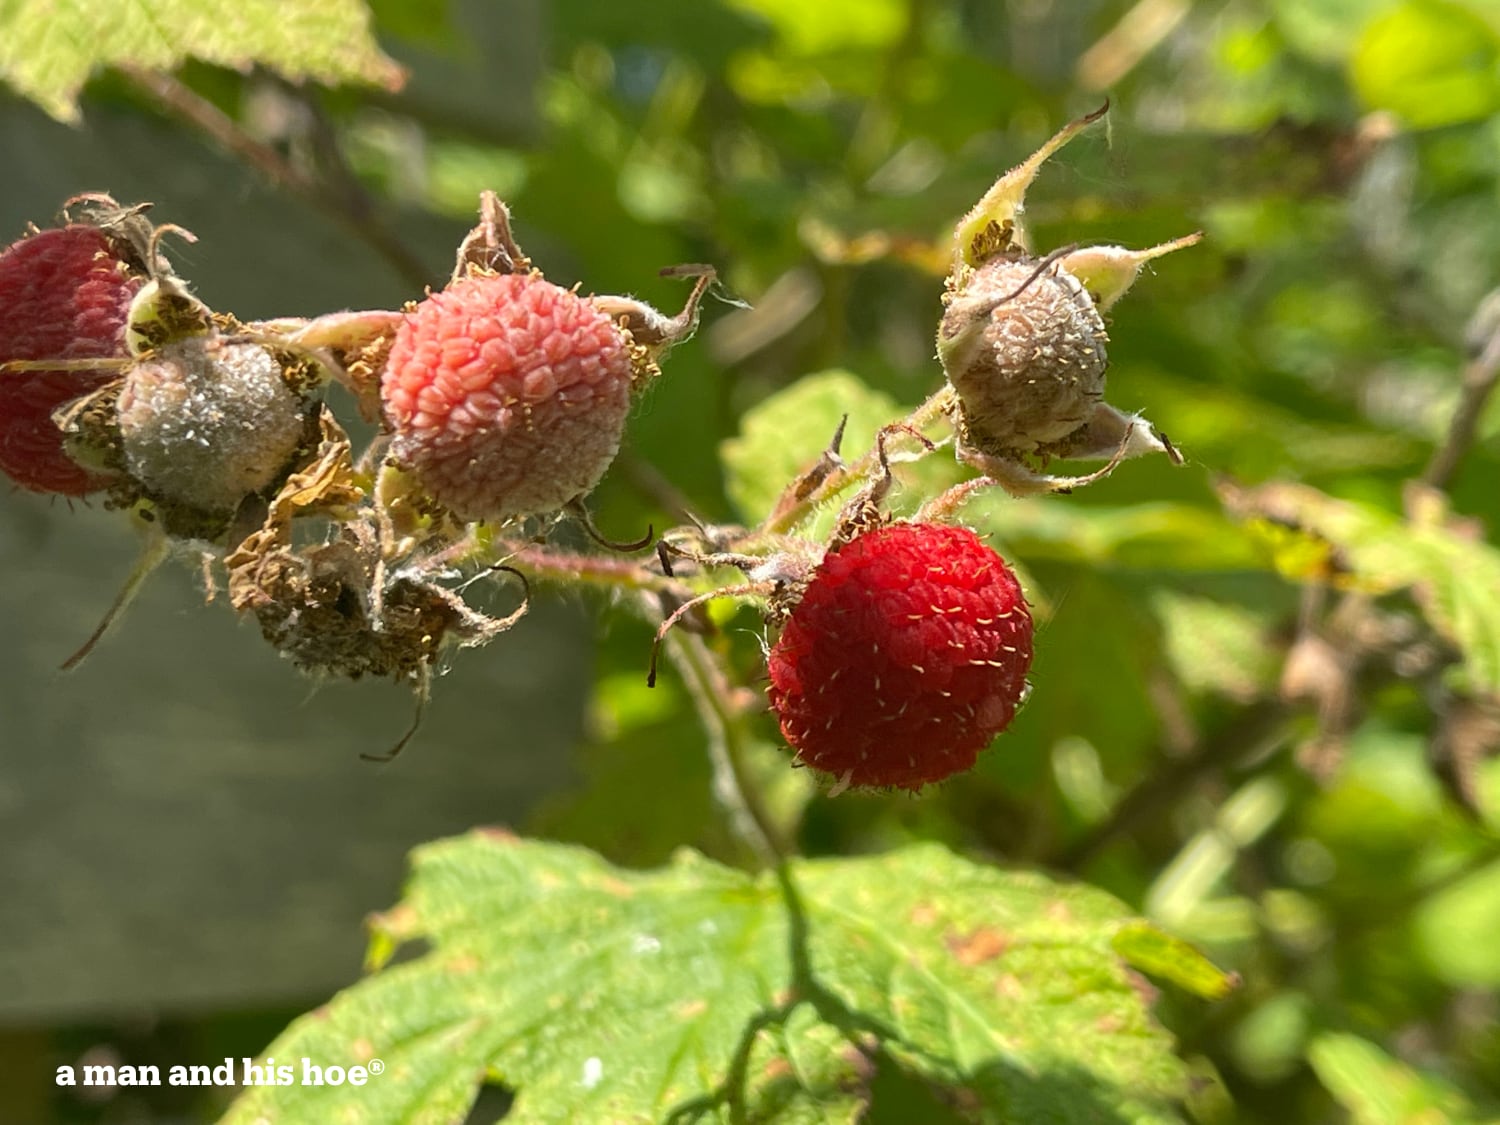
pixel 205 422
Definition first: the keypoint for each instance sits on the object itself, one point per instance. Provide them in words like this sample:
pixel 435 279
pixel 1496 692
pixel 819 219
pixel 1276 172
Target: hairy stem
pixel 724 722
pixel 708 685
pixel 573 569
pixel 841 477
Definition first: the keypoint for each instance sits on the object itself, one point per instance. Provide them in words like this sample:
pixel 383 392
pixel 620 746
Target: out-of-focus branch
pixel 344 192
pixel 1480 376
pixel 351 209
pixel 1161 790
pixel 1121 49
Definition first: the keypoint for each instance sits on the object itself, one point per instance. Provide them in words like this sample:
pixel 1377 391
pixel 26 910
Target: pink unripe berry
pixel 508 395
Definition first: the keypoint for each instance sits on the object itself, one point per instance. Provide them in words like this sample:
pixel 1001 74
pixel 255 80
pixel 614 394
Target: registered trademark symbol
pixel 376 1066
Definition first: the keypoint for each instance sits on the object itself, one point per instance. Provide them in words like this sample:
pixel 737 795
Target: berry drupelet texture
pixel 508 395
pixel 64 295
pixel 905 656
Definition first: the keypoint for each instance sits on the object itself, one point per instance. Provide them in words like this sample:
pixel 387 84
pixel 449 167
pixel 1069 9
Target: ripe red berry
pixel 905 656
pixel 508 395
pixel 64 295
pixel 31 445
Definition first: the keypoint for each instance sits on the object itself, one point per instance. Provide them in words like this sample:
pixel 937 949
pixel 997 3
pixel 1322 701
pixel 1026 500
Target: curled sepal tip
pixel 990 228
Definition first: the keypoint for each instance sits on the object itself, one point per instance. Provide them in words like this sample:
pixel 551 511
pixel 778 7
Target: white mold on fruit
pixel 205 423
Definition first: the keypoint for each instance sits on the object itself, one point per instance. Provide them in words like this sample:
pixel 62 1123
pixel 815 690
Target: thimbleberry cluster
pixel 503 397
pixel 900 647
pixel 904 647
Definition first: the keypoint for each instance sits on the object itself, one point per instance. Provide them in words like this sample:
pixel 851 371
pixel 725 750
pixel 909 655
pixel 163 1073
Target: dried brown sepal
pixel 131 234
pixel 653 334
pixel 337 609
pixel 91 430
pixel 862 512
pixel 1469 735
pixel 811 479
pixel 317 607
pixel 491 246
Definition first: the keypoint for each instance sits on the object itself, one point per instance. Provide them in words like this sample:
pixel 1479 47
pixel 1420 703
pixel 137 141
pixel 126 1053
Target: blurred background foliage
pixel 1264 715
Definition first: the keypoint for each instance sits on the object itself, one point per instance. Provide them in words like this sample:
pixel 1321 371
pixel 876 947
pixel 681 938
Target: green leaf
pixel 830 26
pixel 1378 1090
pixel 49 48
pixel 1147 536
pixel 805 1070
pixel 1453 575
pixel 1321 30
pixel 1159 953
pixel 1430 61
pixel 603 994
pixel 1216 646
pixel 1001 981
pixel 786 433
pixel 1456 929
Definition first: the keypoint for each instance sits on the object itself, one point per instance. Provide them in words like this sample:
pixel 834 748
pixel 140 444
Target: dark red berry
pixel 905 656
pixel 64 295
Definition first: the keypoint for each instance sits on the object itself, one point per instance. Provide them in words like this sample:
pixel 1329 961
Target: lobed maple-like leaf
pixel 699 992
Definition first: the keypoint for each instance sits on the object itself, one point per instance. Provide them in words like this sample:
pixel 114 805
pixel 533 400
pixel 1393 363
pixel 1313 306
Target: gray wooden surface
pixel 184 822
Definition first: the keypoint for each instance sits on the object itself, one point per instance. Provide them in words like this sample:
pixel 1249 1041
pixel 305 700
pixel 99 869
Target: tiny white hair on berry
pixel 841 786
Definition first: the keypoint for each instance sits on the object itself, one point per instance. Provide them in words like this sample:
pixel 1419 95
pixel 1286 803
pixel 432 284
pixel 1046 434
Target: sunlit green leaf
pixel 48 50
pixel 1457 926
pixel 1216 646
pixel 1378 1090
pixel 1182 537
pixel 830 26
pixel 599 993
pixel 1431 61
pixel 1321 28
pixel 786 434
pixel 1159 953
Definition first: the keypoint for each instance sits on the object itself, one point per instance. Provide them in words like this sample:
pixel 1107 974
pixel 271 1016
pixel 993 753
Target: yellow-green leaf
pixel 49 48
pixel 1379 1090
pixel 1157 952
pixel 1430 61
pixel 786 433
pixel 1453 575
